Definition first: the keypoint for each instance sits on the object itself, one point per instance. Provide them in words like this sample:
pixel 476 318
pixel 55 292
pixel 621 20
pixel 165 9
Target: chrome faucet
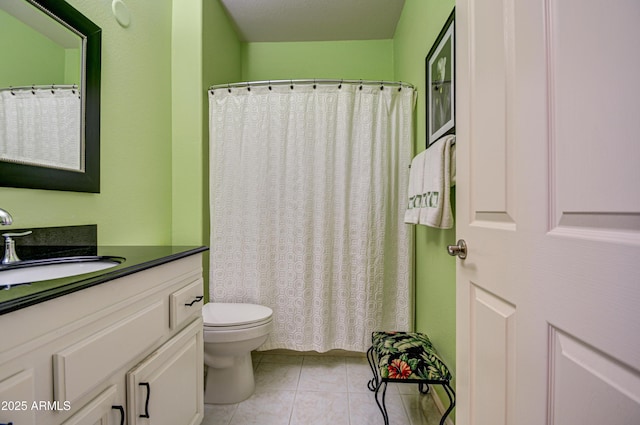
pixel 10 255
pixel 5 218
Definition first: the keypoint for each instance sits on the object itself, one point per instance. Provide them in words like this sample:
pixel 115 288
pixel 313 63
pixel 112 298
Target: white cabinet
pixel 99 411
pixel 74 368
pixel 165 389
pixel 80 359
pixel 16 393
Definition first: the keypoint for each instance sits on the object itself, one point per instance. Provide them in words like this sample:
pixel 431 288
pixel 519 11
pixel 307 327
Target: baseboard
pixel 437 402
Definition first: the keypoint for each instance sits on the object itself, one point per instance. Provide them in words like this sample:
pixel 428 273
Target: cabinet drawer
pixel 80 367
pixel 186 303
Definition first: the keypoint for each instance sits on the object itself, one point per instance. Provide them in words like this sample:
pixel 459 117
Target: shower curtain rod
pixel 249 84
pixel 39 87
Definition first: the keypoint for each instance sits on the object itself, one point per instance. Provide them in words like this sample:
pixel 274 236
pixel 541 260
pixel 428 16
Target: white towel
pixel 438 179
pixel 416 183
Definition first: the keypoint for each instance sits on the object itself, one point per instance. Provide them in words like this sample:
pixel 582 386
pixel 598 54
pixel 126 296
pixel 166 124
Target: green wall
pixel 34 58
pixel 187 119
pixel 419 25
pixel 360 60
pixel 206 51
pixel 72 66
pixel 136 152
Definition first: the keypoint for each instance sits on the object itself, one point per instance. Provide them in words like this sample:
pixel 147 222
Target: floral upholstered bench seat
pixel 406 357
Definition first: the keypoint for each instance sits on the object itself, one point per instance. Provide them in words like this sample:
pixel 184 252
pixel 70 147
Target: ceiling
pixel 314 20
pixel 46 25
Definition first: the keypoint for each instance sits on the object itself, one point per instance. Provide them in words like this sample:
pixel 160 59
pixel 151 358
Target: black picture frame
pixel 440 83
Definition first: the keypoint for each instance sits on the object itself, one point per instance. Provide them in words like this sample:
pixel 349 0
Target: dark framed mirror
pixel 75 134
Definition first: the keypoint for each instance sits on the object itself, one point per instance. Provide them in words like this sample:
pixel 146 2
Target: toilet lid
pixel 234 314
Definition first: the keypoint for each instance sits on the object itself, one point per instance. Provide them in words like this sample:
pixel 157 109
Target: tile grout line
pixel 295 397
pixel 307 362
pixel 348 393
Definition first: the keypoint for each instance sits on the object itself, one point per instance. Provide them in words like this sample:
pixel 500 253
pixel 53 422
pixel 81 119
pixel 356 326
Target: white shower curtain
pixel 41 126
pixel 308 192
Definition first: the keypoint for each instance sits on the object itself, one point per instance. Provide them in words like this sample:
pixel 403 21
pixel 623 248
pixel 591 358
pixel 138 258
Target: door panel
pixel 493 344
pixel 491 201
pixel 549 205
pixel 591 102
pixel 581 376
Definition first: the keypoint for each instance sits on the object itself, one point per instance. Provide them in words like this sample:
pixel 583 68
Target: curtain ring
pixel 340 85
pixel 360 84
pixel 11 91
pixel 229 88
pixel 314 83
pixel 291 81
pixel 270 88
pixel 33 89
pixel 53 89
pixel 248 87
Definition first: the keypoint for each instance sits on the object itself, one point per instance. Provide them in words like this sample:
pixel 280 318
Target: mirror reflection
pixel 40 89
pixel 67 109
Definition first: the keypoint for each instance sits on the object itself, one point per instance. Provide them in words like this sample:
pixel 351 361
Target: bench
pixel 406 357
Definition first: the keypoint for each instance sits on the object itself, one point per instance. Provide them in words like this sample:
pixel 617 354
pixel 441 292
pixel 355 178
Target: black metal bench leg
pixel 374 383
pixel 382 406
pixel 452 401
pixel 423 388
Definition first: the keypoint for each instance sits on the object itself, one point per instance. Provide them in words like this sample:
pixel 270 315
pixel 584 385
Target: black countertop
pixel 136 258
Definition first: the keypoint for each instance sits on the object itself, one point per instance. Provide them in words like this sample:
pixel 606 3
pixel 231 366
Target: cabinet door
pixel 100 411
pixel 17 398
pixel 167 387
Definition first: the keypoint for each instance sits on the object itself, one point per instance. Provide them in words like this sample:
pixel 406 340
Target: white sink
pixel 34 271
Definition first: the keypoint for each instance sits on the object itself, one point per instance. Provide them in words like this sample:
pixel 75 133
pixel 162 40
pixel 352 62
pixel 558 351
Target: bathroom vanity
pixel 123 345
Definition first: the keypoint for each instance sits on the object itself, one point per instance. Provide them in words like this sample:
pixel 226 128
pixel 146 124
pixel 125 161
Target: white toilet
pixel 231 331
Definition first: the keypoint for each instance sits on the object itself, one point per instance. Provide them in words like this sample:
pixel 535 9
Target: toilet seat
pixel 232 316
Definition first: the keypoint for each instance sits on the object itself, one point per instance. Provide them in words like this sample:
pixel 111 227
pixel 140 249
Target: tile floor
pixel 317 390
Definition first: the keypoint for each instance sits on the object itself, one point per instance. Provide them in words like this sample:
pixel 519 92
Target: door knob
pixel 459 250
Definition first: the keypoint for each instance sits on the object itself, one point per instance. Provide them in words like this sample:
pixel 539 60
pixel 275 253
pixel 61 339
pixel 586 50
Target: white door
pixel 548 197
